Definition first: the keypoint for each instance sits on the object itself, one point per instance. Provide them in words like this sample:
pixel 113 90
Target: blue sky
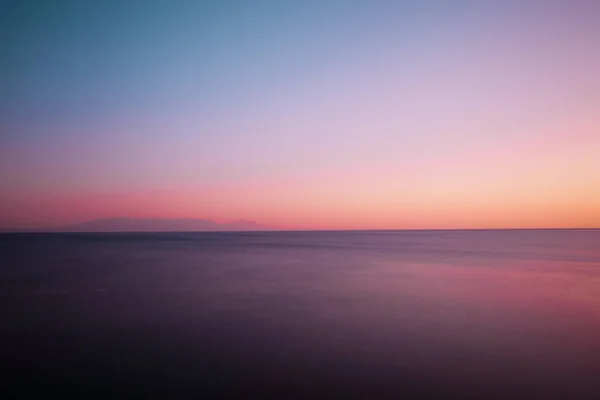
pixel 192 98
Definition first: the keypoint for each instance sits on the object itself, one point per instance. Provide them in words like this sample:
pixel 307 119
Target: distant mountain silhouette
pixel 242 225
pixel 124 224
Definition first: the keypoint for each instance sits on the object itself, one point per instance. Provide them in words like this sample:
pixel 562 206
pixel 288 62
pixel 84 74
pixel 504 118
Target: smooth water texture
pixel 305 314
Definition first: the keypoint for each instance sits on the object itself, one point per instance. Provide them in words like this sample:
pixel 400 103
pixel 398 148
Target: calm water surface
pixel 365 314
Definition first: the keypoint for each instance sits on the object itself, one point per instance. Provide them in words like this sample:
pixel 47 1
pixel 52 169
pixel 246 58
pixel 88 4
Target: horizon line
pixel 51 231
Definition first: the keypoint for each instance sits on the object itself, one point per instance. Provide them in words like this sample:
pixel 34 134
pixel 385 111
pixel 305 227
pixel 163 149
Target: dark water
pixel 372 314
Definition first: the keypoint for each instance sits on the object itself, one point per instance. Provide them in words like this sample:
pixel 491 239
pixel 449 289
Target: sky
pixel 302 114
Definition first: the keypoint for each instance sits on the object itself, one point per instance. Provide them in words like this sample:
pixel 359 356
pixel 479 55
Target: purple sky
pixel 358 114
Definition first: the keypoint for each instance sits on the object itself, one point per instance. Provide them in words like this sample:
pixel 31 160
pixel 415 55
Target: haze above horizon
pixel 302 115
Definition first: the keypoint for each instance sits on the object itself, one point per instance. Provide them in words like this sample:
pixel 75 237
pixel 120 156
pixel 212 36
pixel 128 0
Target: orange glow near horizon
pixel 559 187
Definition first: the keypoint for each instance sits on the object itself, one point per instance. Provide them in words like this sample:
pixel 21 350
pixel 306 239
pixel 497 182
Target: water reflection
pixel 310 314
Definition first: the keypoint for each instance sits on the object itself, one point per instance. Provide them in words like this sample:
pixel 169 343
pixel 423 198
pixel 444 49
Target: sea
pixel 307 314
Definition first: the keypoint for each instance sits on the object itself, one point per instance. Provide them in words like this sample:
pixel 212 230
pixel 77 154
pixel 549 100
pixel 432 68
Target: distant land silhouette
pixel 125 224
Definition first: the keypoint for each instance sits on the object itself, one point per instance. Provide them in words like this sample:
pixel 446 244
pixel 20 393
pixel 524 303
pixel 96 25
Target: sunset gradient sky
pixel 302 114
